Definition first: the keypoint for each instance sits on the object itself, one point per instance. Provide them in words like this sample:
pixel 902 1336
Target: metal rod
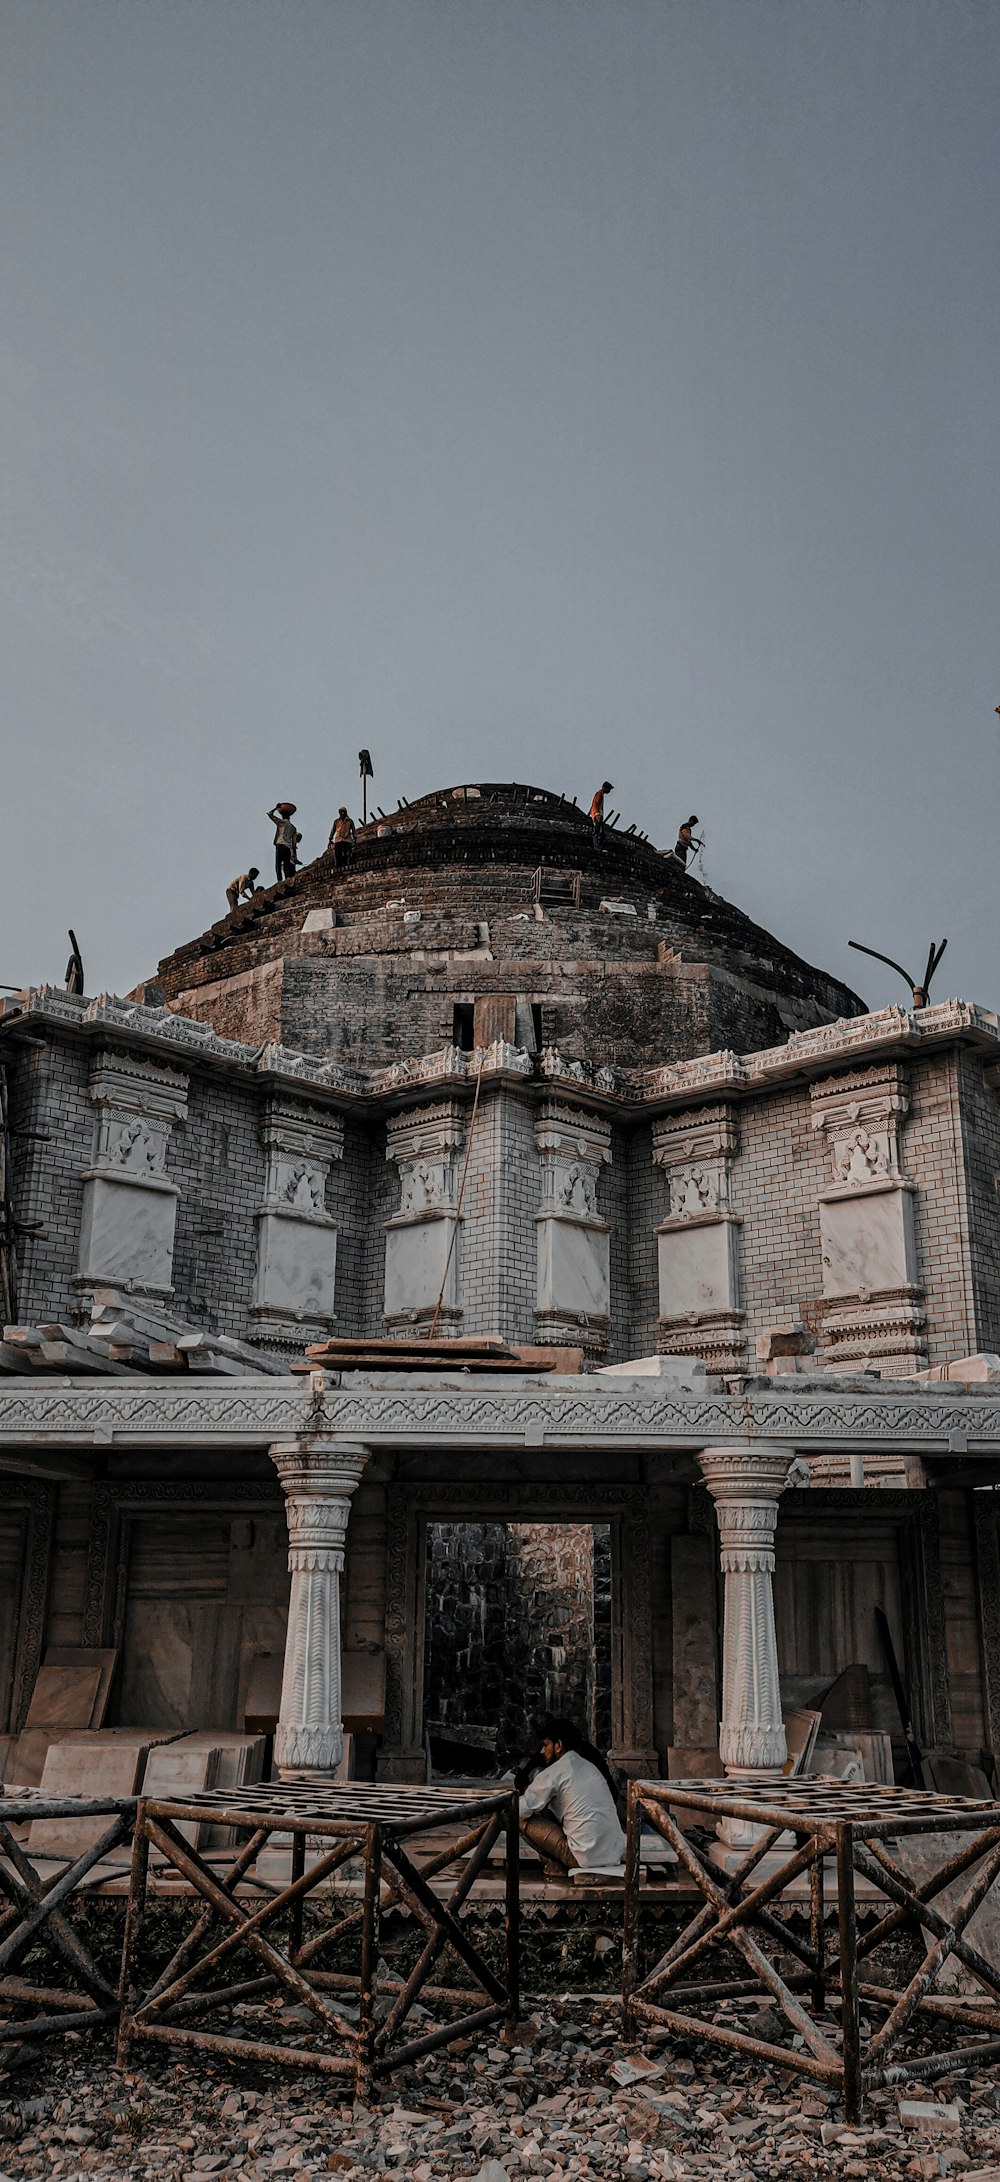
pixel 203 1881
pixel 20 1940
pixel 512 1918
pixel 181 1954
pixel 245 2049
pixel 927 1889
pixel 935 1957
pixel 46 2026
pixel 691 2026
pixel 877 1867
pixel 434 2038
pixel 847 1933
pixel 414 1984
pixel 817 1929
pixel 128 1980
pixel 630 1914
pixel 422 1894
pixel 369 1963
pixel 20 1882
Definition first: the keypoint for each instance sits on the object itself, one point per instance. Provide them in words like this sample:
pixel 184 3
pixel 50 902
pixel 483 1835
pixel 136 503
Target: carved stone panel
pixel 129 1203
pixel 698 1242
pixel 573 1273
pixel 871 1299
pixel 296 1235
pixel 421 1238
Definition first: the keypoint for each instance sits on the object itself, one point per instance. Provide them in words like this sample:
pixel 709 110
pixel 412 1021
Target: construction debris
pixel 125 1336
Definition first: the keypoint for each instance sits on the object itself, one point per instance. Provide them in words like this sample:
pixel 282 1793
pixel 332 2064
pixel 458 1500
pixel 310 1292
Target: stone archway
pixel 413 1507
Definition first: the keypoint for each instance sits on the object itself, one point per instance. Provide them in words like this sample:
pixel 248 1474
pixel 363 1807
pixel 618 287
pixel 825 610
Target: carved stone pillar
pixel 296 1235
pixel 746 1484
pixel 317 1481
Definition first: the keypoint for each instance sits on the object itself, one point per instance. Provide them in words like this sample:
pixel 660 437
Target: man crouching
pixel 568 1811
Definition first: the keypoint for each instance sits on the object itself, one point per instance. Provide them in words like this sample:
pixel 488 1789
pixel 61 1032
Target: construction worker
pixel 286 840
pixel 686 844
pixel 243 888
pixel 596 812
pixel 343 832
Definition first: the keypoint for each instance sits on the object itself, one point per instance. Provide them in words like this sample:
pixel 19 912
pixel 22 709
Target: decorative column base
pixel 746 1484
pixel 318 1480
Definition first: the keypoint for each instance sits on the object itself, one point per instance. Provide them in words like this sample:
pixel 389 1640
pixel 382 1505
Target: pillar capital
pixel 746 1484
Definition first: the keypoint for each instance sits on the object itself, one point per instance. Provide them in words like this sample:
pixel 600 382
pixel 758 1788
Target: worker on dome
pixel 596 812
pixel 343 832
pixel 568 1812
pixel 286 840
pixel 686 842
pixel 243 888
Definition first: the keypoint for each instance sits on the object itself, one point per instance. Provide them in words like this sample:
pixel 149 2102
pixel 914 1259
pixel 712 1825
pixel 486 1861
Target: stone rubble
pixel 547 2107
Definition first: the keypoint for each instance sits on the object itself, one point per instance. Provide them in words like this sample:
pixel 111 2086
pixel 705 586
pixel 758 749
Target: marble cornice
pixel 428 1410
pixel 630 1093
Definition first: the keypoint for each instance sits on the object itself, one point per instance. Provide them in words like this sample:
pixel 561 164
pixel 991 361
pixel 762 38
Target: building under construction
pixel 496 1075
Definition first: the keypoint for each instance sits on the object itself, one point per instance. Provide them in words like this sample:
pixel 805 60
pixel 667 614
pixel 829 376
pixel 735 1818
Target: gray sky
pixel 525 389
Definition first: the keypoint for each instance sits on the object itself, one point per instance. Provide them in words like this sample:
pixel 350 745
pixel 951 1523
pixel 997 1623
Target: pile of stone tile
pixel 550 2106
pixel 125 1337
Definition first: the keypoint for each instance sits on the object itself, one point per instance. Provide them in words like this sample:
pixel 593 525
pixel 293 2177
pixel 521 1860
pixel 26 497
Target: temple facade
pixel 492 1073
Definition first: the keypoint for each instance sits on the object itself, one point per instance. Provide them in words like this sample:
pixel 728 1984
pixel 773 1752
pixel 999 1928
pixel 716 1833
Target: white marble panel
pixel 127 1233
pixel 416 1254
pixel 296 1266
pixel 867 1242
pixel 699 1268
pixel 573 1267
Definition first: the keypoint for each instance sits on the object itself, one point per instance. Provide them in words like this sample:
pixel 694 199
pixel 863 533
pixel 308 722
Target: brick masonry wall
pixel 950 1150
pixel 979 1111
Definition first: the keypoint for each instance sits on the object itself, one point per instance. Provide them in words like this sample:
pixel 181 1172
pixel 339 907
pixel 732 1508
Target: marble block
pixel 699 1267
pixel 296 1265
pixel 867 1242
pixel 416 1255
pixel 180 1769
pixel 127 1234
pixel 63 1696
pixel 573 1267
pixel 109 1762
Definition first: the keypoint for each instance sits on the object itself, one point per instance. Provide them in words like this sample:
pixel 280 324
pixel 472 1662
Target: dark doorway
pixel 518 1623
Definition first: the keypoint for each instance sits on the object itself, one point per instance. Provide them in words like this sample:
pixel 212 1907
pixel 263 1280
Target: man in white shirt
pixel 568 1811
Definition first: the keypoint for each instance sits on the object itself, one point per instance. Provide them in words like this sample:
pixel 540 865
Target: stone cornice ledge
pixel 181 1039
pixel 427 1410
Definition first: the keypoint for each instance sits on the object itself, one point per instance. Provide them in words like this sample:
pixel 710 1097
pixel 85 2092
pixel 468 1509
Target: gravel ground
pixel 548 2106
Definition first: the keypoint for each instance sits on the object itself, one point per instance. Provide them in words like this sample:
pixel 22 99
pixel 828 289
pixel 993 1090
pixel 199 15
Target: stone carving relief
pixel 871 1298
pixel 421 1240
pixel 698 1242
pixel 129 1202
pixel 296 1235
pixel 573 1281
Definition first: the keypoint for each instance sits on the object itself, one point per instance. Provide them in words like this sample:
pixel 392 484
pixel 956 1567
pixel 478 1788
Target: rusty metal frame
pixel 380 1827
pixel 35 1911
pixel 853 1827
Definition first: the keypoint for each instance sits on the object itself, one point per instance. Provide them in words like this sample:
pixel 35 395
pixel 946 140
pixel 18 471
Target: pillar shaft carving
pixel 746 1484
pixel 318 1481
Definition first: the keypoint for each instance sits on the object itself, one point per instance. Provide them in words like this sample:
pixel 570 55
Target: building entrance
pixel 517 1623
